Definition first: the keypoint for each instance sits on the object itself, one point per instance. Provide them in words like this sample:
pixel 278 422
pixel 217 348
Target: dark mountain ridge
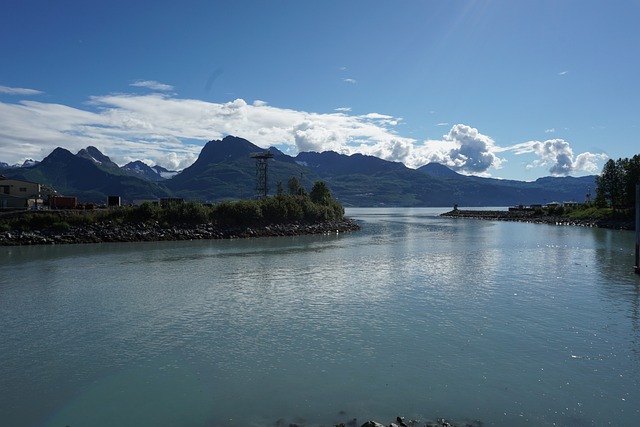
pixel 77 175
pixel 225 170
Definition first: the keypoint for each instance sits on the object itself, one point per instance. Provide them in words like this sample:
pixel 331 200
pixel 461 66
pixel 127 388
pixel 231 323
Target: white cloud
pixel 563 73
pixel 551 130
pixel 171 131
pixel 557 156
pixel 153 85
pixel 19 91
pixel 352 81
pixel 471 152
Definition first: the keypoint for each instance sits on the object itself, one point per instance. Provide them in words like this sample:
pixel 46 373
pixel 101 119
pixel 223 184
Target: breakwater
pixel 537 218
pixel 144 232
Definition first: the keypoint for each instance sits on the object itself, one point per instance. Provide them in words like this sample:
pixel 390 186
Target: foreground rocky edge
pixel 533 217
pixel 400 422
pixel 142 232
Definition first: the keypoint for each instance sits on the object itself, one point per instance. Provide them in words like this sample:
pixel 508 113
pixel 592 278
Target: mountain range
pixel 225 170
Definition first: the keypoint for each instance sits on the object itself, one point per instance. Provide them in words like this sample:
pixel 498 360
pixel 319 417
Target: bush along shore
pixel 545 217
pixel 281 215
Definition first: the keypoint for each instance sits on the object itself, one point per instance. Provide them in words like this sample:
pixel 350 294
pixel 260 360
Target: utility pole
pixel 637 266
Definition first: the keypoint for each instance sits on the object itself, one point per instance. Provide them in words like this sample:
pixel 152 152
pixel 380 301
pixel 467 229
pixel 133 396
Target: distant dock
pixel 532 216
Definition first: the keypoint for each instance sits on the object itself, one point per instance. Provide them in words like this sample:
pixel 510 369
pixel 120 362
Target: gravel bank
pixel 141 232
pixel 533 217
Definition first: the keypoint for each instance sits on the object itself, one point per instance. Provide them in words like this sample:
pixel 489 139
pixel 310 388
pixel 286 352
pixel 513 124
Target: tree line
pixel 293 205
pixel 616 185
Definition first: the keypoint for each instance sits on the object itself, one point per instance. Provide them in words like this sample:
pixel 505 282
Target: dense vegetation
pixel 615 193
pixel 616 185
pixel 295 206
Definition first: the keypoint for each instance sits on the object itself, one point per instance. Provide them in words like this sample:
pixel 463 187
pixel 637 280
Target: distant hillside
pixel 150 173
pixel 439 170
pixel 225 170
pixel 359 180
pixel 79 176
pixel 26 164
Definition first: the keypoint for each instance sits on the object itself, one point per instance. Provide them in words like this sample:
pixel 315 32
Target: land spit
pixel 537 218
pixel 145 232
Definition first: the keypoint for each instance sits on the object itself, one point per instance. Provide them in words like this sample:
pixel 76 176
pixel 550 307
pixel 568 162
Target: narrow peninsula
pixel 281 215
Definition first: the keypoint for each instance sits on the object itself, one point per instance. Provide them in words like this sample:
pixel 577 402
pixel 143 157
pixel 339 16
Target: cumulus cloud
pixel 396 150
pixel 352 81
pixel 471 152
pixel 153 85
pixel 557 156
pixel 19 91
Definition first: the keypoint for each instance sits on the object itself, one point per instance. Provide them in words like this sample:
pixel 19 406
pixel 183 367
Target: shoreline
pixel 141 232
pixel 532 217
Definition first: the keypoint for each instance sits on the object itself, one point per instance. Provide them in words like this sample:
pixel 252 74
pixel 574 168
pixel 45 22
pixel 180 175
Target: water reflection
pixel 513 324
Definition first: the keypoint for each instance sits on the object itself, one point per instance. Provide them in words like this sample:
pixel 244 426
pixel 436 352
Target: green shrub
pixel 274 209
pixel 146 212
pixel 60 226
pixel 194 213
pixel 247 212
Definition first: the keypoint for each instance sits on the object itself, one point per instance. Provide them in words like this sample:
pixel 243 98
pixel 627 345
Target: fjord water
pixel 511 324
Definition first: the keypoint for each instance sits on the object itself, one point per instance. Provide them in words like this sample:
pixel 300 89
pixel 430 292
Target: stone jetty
pixel 537 218
pixel 145 232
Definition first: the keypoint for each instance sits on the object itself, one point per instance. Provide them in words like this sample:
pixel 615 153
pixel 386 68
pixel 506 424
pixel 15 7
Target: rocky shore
pixel 533 217
pixel 142 232
pixel 398 422
pixel 401 422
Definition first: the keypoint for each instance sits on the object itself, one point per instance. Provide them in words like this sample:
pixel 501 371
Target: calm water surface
pixel 508 323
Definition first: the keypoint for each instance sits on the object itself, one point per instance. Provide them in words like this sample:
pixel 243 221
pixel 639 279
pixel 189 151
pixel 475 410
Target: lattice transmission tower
pixel 262 173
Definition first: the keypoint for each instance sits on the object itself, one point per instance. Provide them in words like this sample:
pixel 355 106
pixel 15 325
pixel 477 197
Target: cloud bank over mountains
pixel 161 128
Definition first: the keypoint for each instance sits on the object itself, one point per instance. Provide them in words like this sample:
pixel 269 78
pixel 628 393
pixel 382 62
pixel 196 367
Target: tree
pixel 617 182
pixel 631 170
pixel 609 184
pixel 295 187
pixel 320 193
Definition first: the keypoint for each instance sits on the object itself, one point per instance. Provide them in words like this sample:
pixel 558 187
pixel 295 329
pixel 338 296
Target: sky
pixel 510 89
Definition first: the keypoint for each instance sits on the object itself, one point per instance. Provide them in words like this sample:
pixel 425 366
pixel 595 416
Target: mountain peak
pixel 438 169
pixel 58 152
pixel 95 155
pixel 221 150
pixel 140 169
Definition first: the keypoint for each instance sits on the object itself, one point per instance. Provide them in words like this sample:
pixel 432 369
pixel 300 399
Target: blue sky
pixel 503 88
